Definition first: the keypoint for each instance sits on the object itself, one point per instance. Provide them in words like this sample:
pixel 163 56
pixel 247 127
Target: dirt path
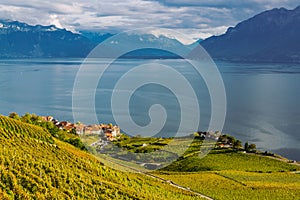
pixel 163 180
pixel 179 186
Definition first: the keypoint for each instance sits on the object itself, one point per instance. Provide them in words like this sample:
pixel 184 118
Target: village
pixel 111 132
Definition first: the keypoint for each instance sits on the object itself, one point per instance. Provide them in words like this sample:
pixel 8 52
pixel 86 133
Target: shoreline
pixel 112 133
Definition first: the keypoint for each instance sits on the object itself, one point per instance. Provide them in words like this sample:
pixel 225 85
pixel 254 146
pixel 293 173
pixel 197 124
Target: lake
pixel 263 100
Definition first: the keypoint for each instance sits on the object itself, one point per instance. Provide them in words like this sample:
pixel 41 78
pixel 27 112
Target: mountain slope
pixel 137 40
pixel 22 40
pixel 96 37
pixel 270 36
pixel 35 166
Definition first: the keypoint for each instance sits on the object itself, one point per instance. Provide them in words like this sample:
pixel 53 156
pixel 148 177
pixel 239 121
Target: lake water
pixel 263 100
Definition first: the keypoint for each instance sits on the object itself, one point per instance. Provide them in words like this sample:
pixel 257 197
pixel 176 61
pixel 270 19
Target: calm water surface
pixel 263 100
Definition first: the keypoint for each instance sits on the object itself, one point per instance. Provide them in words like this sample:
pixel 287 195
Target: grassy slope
pixel 229 174
pixel 33 165
pixel 219 160
pixel 216 160
pixel 241 185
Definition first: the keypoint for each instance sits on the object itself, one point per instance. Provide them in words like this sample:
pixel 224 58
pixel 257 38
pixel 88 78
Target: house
pixel 109 136
pixel 79 129
pixel 62 124
pixel 110 131
pixel 47 118
pixel 225 145
pixel 115 131
pixel 69 127
pixel 93 129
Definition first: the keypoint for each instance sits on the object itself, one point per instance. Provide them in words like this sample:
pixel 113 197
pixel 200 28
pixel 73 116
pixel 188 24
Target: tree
pixel 73 131
pixel 231 139
pixel 26 118
pixel 77 143
pixel 222 139
pixel 237 144
pixel 35 119
pixel 14 115
pixel 252 147
pixel 246 146
pixel 226 139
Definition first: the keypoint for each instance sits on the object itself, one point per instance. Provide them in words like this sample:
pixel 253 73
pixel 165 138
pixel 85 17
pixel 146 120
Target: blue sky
pixel 199 19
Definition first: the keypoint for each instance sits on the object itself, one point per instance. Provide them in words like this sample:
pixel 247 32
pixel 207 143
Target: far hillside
pixel 271 36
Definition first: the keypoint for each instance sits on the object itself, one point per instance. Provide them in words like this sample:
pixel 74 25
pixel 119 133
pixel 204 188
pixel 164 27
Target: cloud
pixel 197 18
pixel 231 3
pixel 55 21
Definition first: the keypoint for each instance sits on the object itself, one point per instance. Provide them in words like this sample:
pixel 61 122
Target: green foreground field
pixel 240 185
pixel 228 173
pixel 231 174
pixel 36 165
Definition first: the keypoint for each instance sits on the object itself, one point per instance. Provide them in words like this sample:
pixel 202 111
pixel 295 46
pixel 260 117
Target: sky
pixel 197 18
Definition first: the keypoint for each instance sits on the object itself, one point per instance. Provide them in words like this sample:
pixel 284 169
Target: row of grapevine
pixel 32 168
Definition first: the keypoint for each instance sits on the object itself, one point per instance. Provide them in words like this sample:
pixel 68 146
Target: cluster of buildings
pixel 210 134
pixel 108 130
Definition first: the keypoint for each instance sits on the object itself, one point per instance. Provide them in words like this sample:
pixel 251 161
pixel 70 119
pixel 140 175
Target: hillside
pixel 225 173
pixel 33 165
pixel 20 40
pixel 230 174
pixel 36 165
pixel 271 36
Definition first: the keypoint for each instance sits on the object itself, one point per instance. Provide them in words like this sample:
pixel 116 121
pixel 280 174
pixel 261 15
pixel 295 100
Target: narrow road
pixel 163 180
pixel 179 186
pixel 276 158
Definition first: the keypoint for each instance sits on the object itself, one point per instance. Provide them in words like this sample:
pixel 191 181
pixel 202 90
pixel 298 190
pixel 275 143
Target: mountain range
pixel 271 36
pixel 20 40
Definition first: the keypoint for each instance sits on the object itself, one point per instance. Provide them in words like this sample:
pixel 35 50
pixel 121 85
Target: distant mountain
pixel 148 45
pixel 22 40
pixel 154 45
pixel 272 36
pixel 96 37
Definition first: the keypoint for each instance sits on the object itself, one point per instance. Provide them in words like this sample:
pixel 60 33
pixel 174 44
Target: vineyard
pixel 218 160
pixel 33 165
pixel 230 174
pixel 36 165
pixel 240 185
